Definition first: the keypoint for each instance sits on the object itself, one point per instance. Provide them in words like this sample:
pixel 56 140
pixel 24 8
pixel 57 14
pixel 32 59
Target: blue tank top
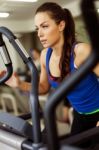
pixel 85 96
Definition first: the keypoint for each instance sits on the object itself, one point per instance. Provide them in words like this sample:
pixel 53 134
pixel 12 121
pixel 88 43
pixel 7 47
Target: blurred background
pixel 18 16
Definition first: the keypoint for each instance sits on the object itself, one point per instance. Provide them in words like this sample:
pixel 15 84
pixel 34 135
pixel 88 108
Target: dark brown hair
pixel 58 14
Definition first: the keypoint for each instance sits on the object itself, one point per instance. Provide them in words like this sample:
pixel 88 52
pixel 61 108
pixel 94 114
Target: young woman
pixel 62 55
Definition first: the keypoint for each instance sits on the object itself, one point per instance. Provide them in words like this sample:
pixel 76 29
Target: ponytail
pixel 69 39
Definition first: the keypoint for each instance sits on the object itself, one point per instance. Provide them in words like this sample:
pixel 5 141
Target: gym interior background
pixel 21 23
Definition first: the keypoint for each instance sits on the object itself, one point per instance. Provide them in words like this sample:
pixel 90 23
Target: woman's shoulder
pixel 81 51
pixel 81 48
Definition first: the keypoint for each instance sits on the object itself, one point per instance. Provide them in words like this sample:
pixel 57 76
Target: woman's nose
pixel 40 33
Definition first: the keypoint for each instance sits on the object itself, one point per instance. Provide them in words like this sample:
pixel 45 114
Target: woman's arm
pixel 82 51
pixel 44 86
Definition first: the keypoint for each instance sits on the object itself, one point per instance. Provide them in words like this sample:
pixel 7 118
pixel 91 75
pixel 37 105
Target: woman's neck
pixel 58 47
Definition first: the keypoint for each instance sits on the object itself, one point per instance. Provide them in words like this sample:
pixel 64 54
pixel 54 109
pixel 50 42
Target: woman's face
pixel 47 29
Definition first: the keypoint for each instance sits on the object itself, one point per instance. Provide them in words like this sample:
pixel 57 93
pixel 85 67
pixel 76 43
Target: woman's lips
pixel 43 41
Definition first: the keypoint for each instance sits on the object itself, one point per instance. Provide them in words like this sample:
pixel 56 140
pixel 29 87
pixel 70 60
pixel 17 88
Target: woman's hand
pixel 13 81
pixel 2 73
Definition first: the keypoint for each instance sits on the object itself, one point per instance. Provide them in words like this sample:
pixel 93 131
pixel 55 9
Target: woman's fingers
pixel 2 73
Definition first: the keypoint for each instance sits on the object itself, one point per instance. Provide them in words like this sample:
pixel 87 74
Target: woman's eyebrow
pixel 41 23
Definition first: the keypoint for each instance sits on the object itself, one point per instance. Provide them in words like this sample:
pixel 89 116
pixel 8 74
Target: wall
pixel 81 32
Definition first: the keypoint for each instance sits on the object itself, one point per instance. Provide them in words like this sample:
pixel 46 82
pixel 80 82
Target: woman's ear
pixel 62 25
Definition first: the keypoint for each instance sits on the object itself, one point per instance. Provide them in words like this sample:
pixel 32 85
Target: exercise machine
pixel 17 124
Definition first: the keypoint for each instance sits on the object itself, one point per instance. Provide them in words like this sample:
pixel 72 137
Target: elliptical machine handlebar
pixel 7 61
pixel 16 44
pixel 34 103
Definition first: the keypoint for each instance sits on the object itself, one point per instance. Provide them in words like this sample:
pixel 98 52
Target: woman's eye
pixel 45 26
